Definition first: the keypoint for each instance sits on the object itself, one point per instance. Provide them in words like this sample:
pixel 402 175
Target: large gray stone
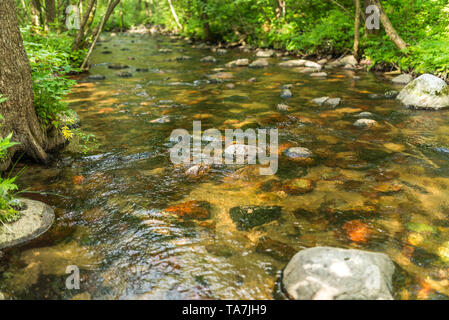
pixel 325 273
pixel 426 92
pixel 36 219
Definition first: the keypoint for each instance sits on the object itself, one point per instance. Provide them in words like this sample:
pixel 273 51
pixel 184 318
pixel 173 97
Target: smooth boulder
pixel 426 92
pixel 36 219
pixel 325 273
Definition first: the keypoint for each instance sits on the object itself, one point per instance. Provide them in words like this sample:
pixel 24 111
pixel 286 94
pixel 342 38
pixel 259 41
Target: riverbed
pixel 384 188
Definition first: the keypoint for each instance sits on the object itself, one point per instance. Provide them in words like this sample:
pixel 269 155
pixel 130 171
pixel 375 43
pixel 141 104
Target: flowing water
pixel 381 189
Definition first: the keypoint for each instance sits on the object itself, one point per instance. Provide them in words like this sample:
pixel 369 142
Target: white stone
pixel 325 273
pixel 425 92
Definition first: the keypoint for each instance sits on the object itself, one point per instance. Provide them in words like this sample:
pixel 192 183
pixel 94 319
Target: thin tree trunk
pixel 36 12
pixel 206 27
pixel 389 29
pixel 16 85
pixel 147 9
pixel 80 33
pixel 174 14
pixel 122 23
pixel 109 10
pixel 50 11
pixel 357 29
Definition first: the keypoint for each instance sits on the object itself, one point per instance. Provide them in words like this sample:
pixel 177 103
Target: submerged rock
pixel 293 63
pixel 325 273
pixel 283 107
pixel 95 77
pixel 320 101
pixel 298 153
pixel 197 170
pixel 426 92
pixel 298 186
pixel 365 123
pixel 142 69
pixel 247 217
pixel 118 66
pixel 183 58
pixel 392 94
pixel 221 51
pixel 275 249
pixel 124 74
pixel 238 63
pixel 286 94
pixel 333 102
pixel 199 210
pixel 259 63
pixel 311 64
pixel 209 59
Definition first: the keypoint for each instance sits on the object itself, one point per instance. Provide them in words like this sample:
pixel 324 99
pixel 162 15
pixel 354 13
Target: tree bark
pixel 50 11
pixel 357 29
pixel 389 29
pixel 16 85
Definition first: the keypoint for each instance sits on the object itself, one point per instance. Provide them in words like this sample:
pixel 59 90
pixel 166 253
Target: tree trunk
pixel 206 27
pixel 110 8
pixel 50 11
pixel 80 33
pixel 17 86
pixel 174 14
pixel 122 22
pixel 389 29
pixel 109 11
pixel 357 29
pixel 36 13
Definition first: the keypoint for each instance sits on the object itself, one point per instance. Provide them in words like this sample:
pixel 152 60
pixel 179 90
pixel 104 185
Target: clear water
pixel 382 189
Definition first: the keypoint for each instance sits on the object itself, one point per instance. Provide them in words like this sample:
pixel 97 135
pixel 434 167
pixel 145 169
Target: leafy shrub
pixel 51 59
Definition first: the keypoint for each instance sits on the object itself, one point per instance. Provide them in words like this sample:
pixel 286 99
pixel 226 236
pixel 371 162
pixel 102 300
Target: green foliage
pixel 314 27
pixel 8 211
pixel 51 59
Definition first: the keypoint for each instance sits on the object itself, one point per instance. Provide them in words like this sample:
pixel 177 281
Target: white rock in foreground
pixel 325 273
pixel 426 92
